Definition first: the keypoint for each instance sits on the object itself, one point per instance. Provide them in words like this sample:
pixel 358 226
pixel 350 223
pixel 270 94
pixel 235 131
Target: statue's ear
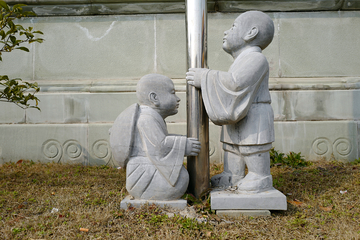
pixel 251 34
pixel 153 98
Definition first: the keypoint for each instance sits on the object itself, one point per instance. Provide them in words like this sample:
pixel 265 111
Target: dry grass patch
pixel 88 203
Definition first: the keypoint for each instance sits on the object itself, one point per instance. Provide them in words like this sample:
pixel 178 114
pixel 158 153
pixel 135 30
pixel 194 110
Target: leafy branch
pixel 12 36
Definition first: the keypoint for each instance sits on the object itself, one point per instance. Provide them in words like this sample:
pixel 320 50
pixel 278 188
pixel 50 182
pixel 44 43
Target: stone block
pixel 310 48
pixel 231 200
pixel 98 47
pixel 44 143
pixel 179 204
pixel 138 8
pixel 10 113
pixel 60 108
pixel 271 5
pixel 101 111
pixel 99 147
pixel 318 139
pixel 170 56
pixel 60 10
pixel 316 105
pixel 239 213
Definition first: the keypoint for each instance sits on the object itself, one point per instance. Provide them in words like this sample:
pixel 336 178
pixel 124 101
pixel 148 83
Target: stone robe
pixel 154 168
pixel 240 100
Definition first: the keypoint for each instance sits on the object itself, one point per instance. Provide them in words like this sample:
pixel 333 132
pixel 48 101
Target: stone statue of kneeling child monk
pixel 140 142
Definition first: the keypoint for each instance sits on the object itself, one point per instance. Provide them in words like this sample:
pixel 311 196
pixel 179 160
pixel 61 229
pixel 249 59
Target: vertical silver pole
pixel 197 119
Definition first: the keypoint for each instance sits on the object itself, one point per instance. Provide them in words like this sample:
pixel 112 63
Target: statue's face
pixel 169 102
pixel 232 40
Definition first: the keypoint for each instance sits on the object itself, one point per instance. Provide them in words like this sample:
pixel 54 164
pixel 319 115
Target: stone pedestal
pixel 239 213
pixel 179 204
pixel 232 203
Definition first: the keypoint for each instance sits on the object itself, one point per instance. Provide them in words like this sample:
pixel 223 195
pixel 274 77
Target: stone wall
pixel 88 68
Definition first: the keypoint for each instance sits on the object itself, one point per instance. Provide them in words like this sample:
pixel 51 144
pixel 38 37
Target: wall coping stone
pixel 108 7
pixel 129 85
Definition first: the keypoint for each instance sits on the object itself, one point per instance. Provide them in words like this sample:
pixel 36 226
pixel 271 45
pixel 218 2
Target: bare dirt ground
pixel 55 201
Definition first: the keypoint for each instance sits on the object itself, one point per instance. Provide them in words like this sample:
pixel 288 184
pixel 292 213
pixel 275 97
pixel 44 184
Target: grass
pixel 88 198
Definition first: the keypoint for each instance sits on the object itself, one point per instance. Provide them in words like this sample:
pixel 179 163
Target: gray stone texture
pixel 288 5
pixel 141 143
pixel 319 139
pixel 87 7
pixel 239 101
pixel 65 143
pixel 75 47
pixel 316 105
pixel 321 51
pixel 127 202
pixel 298 123
pixel 239 213
pixel 319 45
pixel 269 200
pixel 87 82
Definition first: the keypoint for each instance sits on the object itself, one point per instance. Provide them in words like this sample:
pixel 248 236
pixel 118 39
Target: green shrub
pixel 292 159
pixel 12 37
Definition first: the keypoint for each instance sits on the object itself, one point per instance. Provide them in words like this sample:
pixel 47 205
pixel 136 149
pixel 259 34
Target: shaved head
pixel 262 22
pixel 151 83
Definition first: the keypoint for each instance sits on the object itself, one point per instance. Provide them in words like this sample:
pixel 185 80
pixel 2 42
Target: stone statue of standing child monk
pixel 239 100
pixel 140 142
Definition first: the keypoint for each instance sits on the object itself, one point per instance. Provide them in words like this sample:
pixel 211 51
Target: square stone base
pixel 179 204
pixel 231 200
pixel 239 213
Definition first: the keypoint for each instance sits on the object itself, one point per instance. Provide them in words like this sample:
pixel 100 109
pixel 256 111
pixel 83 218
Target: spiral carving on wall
pixel 101 149
pixel 321 146
pixel 52 150
pixel 72 149
pixel 342 146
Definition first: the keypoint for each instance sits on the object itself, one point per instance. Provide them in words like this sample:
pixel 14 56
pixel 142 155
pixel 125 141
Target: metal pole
pixel 197 119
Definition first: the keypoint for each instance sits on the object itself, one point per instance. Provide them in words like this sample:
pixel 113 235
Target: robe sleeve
pixel 165 152
pixel 227 96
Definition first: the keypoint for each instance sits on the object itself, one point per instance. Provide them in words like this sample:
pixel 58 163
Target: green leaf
pixel 11 24
pixel 4 5
pixel 19 27
pixel 13 39
pixel 4 77
pixel 28 13
pixel 39 40
pixel 23 48
pixel 18 6
pixel 39 32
